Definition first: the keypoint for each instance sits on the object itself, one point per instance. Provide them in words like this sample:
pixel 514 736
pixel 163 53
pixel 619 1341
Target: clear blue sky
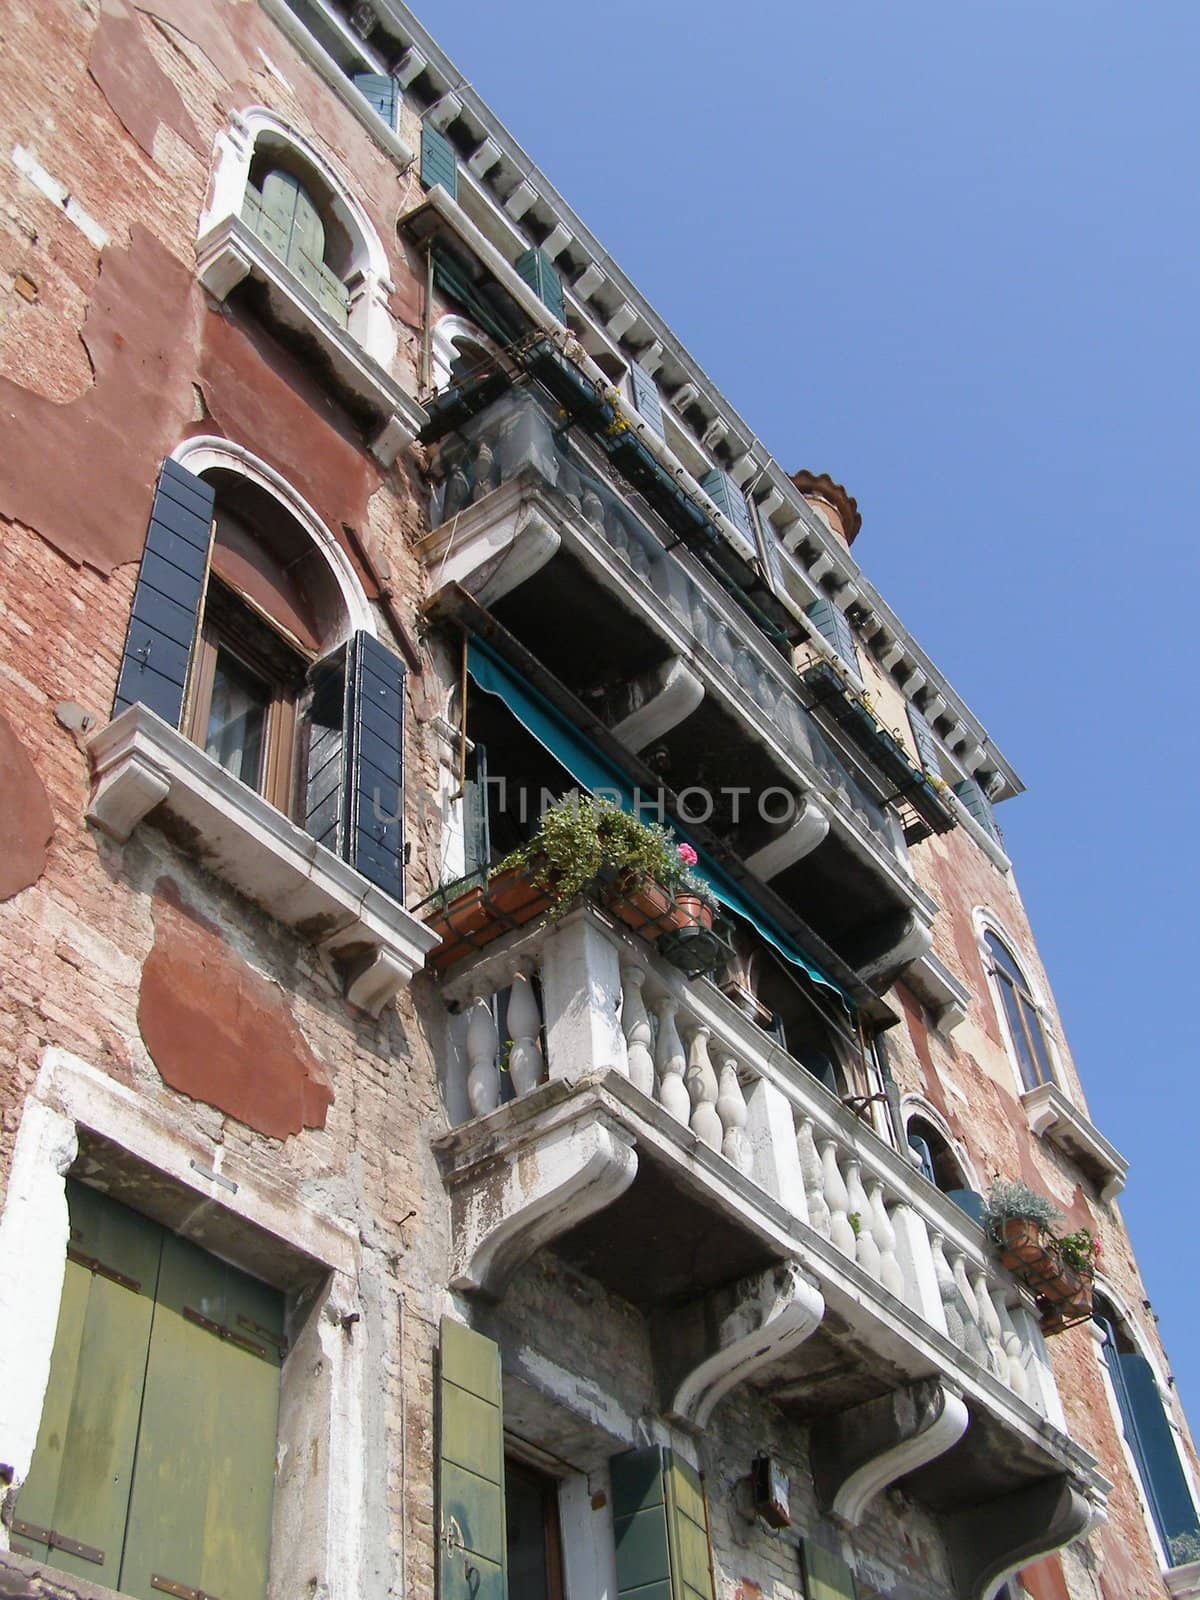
pixel 947 251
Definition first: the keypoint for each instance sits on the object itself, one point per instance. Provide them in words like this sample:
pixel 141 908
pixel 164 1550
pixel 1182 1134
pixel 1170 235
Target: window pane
pixel 1016 1026
pixel 529 1510
pixel 237 719
pixel 1004 961
pixel 1036 1033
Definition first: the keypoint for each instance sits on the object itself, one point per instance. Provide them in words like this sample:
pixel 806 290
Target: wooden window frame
pixel 232 623
pixel 1030 1041
pixel 547 1487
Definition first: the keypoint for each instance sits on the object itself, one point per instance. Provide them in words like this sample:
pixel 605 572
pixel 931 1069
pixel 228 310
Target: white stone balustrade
pixel 729 1091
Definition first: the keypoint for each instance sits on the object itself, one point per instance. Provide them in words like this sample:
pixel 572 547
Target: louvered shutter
pixel 354 794
pixel 730 500
pixel 646 399
pixel 470 1467
pixel 834 627
pixel 978 804
pixel 660 1527
pixel 166 602
pixel 536 268
pixel 439 164
pixel 826 1576
pixel 925 740
pixel 380 92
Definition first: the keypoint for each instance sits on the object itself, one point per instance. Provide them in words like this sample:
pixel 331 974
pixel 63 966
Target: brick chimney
pixel 837 509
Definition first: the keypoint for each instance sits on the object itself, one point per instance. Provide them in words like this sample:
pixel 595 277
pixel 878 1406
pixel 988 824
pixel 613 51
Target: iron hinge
pixel 190 1314
pixel 101 1269
pixel 182 1590
pixel 58 1541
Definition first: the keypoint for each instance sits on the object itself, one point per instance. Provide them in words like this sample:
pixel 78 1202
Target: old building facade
pixel 366 1232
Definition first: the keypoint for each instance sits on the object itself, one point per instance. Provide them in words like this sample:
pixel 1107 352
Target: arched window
pixel 291 222
pixel 460 350
pixel 1022 1014
pixel 940 1164
pixel 1147 1429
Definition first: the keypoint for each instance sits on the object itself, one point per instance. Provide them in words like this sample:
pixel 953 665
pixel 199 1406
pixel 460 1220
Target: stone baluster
pixel 949 1293
pixel 723 646
pixel 989 1324
pixel 701 1083
pixel 591 504
pixel 484 469
pixel 866 1251
pixel 1018 1382
pixel 972 1337
pixel 635 1023
pixel 915 1257
pixel 731 1108
pixel 884 1235
pixel 458 489
pixel 810 1171
pixel 483 1041
pixel 670 1064
pixel 700 619
pixel 526 1065
pixel 833 1186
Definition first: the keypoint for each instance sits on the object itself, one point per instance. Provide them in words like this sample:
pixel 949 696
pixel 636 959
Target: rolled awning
pixel 594 772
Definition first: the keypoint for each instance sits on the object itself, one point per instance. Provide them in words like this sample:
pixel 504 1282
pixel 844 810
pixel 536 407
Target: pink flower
pixel 687 855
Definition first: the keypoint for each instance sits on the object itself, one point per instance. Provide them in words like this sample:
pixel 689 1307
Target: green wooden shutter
pixel 536 268
pixel 166 602
pixel 978 804
pixel 646 398
pixel 77 1491
pixel 826 1576
pixel 471 1468
pixel 439 163
pixel 730 500
pixel 925 740
pixel 660 1527
pixel 834 627
pixel 380 92
pixel 200 1511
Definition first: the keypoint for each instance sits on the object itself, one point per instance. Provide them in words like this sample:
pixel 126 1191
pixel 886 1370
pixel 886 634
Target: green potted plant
pixel 1058 1269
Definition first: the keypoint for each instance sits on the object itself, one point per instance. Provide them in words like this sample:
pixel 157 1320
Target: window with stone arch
pixel 271 182
pixel 1022 1012
pixel 939 1159
pixel 1144 1417
pixel 460 350
pixel 251 636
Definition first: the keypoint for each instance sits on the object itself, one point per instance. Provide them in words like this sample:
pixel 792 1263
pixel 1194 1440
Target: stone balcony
pixel 672 1150
pixel 537 533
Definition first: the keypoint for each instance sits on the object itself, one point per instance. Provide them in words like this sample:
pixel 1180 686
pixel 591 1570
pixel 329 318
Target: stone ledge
pixel 1053 1117
pixel 230 252
pixel 143 767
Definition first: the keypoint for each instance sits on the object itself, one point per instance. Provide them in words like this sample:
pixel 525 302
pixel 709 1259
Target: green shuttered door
pixel 471 1467
pixel 156 1451
pixel 660 1527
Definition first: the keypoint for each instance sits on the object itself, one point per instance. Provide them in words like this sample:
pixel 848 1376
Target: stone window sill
pixel 1053 1117
pixel 142 768
pixel 230 252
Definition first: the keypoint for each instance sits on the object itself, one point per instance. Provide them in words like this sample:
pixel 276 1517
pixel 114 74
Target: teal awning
pixel 573 750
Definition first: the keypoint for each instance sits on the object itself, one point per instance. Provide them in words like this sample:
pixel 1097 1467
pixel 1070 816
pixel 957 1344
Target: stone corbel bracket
pixel 522 1176
pixel 858 1452
pixel 990 1541
pixel 735 1332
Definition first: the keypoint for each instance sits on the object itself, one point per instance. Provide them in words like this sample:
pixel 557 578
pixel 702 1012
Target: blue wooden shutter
pixel 921 1148
pixel 1151 1440
pixel 538 272
pixel 729 499
pixel 645 398
pixel 380 92
pixel 471 1467
pixel 166 602
pixel 354 796
pixel 439 164
pixel 834 627
pixel 925 740
pixel 374 825
pixel 978 804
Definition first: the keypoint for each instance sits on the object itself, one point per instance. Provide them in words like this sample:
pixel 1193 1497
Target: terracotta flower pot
pixel 643 905
pixel 485 911
pixel 1063 1292
pixel 693 910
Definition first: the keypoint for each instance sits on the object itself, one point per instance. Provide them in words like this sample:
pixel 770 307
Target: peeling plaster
pixel 26 820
